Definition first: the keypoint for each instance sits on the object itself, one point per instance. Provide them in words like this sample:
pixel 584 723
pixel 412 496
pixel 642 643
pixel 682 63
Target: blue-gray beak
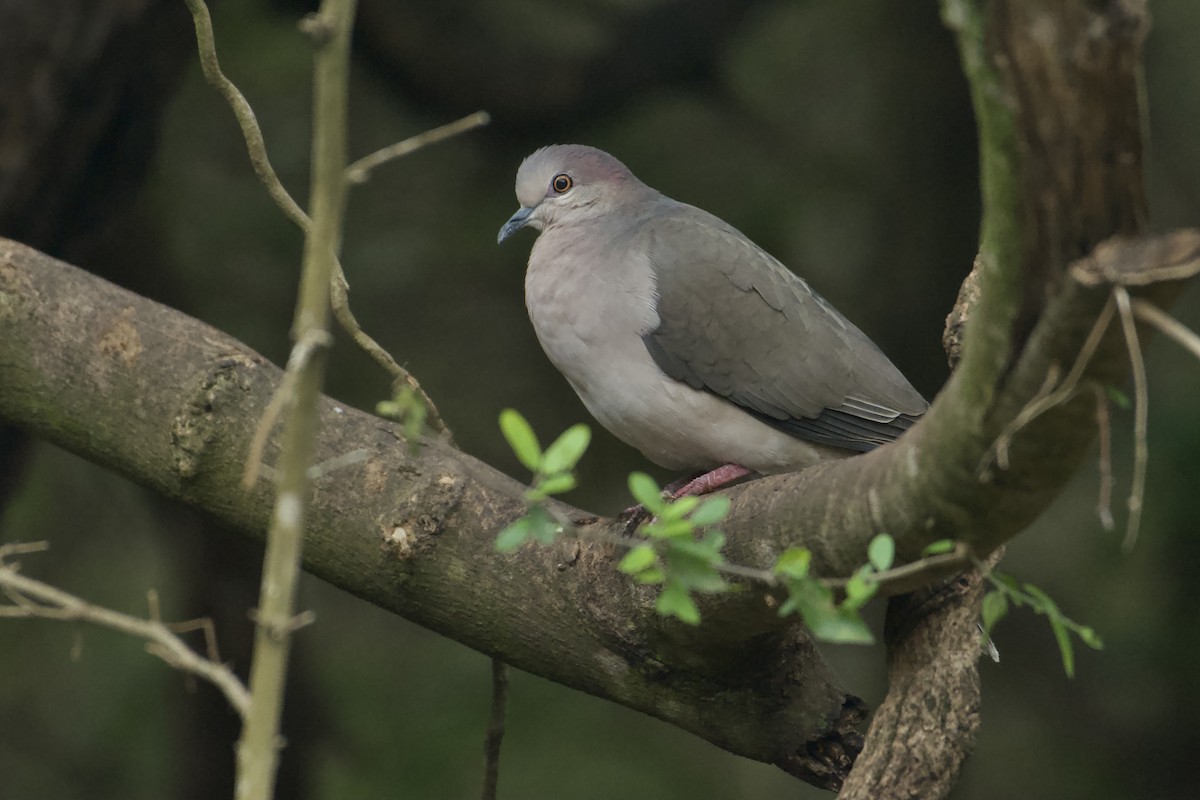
pixel 514 224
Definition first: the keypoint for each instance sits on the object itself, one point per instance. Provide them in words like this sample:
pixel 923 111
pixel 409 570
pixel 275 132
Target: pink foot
pixel 695 484
pixel 708 481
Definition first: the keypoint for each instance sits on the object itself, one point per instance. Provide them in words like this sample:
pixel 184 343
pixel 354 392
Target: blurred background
pixel 838 135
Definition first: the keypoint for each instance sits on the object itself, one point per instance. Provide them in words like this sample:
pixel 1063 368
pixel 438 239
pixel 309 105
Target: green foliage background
pixel 837 135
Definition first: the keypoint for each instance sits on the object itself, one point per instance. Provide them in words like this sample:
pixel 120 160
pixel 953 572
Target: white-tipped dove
pixel 686 339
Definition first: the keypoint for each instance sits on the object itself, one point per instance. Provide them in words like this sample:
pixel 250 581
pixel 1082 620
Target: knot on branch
pixel 195 425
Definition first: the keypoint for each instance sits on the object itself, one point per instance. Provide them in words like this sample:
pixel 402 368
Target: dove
pixel 687 340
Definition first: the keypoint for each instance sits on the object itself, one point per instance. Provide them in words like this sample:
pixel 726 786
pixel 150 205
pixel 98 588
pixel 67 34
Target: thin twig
pixel 1049 397
pixel 340 301
pixel 1141 400
pixel 301 355
pixel 904 574
pixel 256 147
pixel 1164 322
pixel 360 170
pixel 495 729
pixel 35 599
pixel 356 456
pixel 259 745
pixel 1104 425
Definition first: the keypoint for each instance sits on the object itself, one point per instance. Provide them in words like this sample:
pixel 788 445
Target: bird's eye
pixel 561 183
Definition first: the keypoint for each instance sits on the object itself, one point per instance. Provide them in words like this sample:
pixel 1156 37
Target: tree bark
pixel 172 404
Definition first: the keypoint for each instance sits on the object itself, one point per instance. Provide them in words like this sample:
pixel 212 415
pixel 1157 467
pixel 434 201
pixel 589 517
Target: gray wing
pixel 737 323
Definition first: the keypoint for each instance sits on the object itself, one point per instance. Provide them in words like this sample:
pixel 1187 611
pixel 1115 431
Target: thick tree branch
pixel 925 728
pixel 172 404
pixel 1057 96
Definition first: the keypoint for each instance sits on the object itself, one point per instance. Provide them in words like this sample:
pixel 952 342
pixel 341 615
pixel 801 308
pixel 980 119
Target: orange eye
pixel 561 183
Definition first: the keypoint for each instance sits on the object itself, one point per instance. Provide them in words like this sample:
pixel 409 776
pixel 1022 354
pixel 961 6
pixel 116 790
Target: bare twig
pixel 31 598
pixel 1052 394
pixel 256 147
pixel 360 170
pixel 1104 425
pixel 1164 322
pixel 258 747
pixel 301 356
pixel 1141 400
pixel 340 299
pixel 356 456
pixel 495 729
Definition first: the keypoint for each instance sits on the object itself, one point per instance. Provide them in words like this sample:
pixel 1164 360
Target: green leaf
pixel 1009 583
pixel 672 529
pixel 826 621
pixel 1118 397
pixel 678 509
pixel 1065 648
pixel 1090 637
pixel 690 570
pixel 542 526
pixel 938 547
pixel 794 562
pixel 713 541
pixel 860 588
pixel 711 511
pixel 1040 601
pixel 646 491
pixel 995 606
pixel 843 626
pixel 556 484
pixel 674 601
pixel 650 575
pixel 881 552
pixel 564 453
pixel 805 596
pixel 414 412
pixel 703 551
pixel 638 559
pixel 514 535
pixel 521 439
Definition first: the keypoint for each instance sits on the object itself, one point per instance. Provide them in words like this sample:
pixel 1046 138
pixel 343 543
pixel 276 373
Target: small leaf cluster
pixel 815 602
pixel 553 473
pixel 409 410
pixel 1009 592
pixel 680 548
pixel 675 552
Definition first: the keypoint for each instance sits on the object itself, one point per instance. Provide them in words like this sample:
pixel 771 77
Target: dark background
pixel 838 135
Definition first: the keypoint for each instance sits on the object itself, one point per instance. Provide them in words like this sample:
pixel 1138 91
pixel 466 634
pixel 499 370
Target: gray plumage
pixel 683 337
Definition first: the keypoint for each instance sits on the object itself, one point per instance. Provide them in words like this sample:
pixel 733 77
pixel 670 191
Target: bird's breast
pixel 590 305
pixel 590 310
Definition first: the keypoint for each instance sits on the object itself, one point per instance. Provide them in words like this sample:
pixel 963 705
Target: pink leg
pixel 695 484
pixel 709 481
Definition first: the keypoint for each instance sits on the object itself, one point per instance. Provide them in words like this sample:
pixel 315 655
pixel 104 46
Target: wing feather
pixel 735 322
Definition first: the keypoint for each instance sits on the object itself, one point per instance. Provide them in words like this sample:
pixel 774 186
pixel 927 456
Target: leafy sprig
pixel 1008 592
pixel 680 548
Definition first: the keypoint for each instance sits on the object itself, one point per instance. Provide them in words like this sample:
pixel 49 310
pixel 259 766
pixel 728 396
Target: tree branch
pixel 170 403
pixel 33 599
pixel 925 728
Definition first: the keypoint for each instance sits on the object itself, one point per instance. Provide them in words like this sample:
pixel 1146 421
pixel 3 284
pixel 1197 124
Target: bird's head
pixel 566 183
